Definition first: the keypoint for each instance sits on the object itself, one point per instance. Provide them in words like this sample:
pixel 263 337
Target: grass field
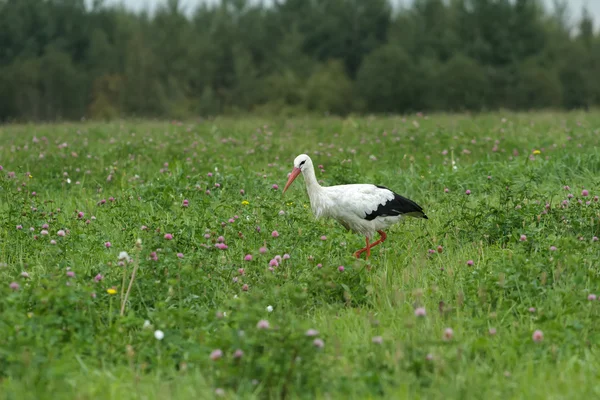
pixel 238 291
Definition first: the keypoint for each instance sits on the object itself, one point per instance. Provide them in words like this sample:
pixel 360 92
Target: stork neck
pixel 312 186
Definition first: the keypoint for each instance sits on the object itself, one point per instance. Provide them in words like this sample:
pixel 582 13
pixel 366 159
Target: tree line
pixel 62 60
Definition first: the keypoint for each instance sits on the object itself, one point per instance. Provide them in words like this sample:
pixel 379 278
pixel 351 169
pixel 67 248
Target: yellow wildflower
pixel 245 202
pixel 30 176
pixel 111 291
pixel 536 152
pixel 290 203
pixel 29 314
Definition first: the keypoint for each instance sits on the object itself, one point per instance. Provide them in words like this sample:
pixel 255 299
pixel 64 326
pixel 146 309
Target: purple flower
pixel 448 333
pixel 341 268
pixel 467 192
pixel 318 343
pixel 14 286
pixel 312 332
pixel 98 278
pixel 180 255
pixel 71 274
pixel 263 324
pixel 216 354
pixel 248 257
pixel 470 263
pixel 585 193
pixel 168 236
pixel 275 234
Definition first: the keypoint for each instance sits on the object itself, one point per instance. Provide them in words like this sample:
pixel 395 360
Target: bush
pixel 329 90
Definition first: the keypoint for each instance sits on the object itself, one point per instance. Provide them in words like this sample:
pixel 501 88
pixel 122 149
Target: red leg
pixel 367 249
pixel 381 240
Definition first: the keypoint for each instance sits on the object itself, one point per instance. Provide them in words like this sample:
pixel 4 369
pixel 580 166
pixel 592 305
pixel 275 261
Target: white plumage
pixel 362 208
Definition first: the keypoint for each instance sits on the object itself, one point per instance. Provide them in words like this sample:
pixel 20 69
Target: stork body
pixel 361 208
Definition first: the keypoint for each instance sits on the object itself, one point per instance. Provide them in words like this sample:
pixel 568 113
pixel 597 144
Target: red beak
pixel 293 175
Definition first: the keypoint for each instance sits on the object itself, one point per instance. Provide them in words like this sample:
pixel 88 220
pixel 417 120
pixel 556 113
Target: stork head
pixel 301 163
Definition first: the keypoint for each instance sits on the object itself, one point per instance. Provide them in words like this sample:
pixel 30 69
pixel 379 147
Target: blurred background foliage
pixel 61 59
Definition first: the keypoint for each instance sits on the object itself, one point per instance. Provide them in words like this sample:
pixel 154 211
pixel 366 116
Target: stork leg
pixel 381 239
pixel 369 247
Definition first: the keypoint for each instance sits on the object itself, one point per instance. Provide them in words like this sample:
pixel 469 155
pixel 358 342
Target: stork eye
pixel 302 163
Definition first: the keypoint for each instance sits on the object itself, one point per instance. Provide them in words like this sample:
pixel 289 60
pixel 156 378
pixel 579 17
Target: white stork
pixel 362 208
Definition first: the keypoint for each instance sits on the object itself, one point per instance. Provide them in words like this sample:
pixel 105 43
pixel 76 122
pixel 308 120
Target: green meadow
pixel 160 260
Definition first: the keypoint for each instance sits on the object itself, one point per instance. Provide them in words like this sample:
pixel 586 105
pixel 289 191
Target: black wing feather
pixel 399 205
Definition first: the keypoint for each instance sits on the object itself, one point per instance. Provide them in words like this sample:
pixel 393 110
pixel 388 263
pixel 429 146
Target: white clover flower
pixel 124 256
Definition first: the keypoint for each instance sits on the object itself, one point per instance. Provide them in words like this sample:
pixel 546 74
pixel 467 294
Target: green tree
pixel 385 80
pixel 330 90
pixel 538 87
pixel 463 84
pixel 62 85
pixel 59 59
